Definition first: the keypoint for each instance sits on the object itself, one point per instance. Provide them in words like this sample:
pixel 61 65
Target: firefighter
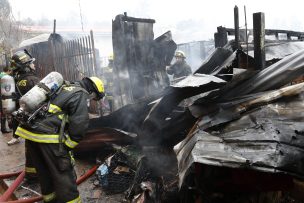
pixel 52 137
pixel 25 78
pixel 6 71
pixel 180 68
pixel 108 78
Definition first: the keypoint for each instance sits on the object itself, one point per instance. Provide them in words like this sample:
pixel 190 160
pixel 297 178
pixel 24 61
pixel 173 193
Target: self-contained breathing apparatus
pixel 8 94
pixel 35 103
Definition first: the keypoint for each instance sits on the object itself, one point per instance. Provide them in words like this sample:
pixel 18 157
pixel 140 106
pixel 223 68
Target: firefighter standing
pixel 25 79
pixel 52 137
pixel 180 68
pixel 6 71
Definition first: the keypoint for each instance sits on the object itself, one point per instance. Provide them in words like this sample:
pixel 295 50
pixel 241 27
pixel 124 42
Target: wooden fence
pixel 74 59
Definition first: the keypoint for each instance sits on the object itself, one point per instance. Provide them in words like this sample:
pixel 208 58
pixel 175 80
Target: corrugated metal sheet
pixel 269 138
pixel 279 50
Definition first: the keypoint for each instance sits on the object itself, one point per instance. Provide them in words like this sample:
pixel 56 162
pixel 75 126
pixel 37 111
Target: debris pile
pixel 224 130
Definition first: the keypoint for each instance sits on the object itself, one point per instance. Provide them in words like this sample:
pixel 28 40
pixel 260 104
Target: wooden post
pixel 246 37
pixel 236 27
pixel 54 27
pixel 7 63
pixel 236 34
pixel 259 40
pixel 52 47
pixel 94 54
pixel 277 36
pixel 220 38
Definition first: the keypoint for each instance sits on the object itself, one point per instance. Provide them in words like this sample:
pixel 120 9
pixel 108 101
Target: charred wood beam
pixel 97 138
pixel 299 35
pixel 236 27
pixel 132 19
pixel 259 40
pixel 237 34
pixel 220 38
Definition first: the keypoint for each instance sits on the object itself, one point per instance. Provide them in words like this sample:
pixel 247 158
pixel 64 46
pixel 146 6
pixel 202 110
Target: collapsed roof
pixel 251 121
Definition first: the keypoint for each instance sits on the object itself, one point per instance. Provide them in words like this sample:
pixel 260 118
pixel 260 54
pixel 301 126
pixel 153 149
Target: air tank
pixel 34 98
pixel 7 90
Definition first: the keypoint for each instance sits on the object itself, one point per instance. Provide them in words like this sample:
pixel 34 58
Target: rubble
pixel 222 131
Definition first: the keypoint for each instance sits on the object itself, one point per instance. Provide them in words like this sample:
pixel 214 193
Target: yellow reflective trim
pixel 22 57
pixel 77 200
pixel 30 170
pixel 54 109
pixel 70 88
pixel 22 83
pixel 70 143
pixel 49 197
pixel 35 137
pixel 72 158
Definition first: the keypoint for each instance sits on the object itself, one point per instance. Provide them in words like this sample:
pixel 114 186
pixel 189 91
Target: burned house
pixel 140 60
pixel 234 125
pixel 236 129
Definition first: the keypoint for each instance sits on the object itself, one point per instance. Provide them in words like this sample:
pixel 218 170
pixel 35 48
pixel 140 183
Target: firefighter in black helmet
pixel 25 78
pixel 52 137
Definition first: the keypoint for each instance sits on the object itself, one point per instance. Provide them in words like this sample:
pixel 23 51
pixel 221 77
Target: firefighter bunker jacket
pixel 69 104
pixel 50 138
pixel 179 69
pixel 25 81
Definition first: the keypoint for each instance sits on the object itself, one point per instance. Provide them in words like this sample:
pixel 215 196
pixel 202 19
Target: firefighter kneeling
pixel 50 138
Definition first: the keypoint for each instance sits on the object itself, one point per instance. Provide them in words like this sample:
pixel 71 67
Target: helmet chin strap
pixel 93 95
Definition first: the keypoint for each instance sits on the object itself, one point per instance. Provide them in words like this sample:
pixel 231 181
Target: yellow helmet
pixel 98 87
pixel 180 54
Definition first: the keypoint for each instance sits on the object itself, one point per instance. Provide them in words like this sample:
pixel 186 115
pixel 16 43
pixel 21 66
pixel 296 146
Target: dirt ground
pixel 12 159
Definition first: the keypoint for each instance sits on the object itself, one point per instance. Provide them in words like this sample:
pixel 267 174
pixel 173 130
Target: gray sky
pixel 189 20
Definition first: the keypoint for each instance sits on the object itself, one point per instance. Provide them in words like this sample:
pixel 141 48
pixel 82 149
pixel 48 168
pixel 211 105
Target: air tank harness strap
pixel 43 86
pixel 3 97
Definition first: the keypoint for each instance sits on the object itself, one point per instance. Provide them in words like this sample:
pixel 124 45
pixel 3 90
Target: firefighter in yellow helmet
pixel 180 68
pixel 53 135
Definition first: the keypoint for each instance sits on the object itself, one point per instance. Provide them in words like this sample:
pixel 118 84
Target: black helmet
pixel 20 59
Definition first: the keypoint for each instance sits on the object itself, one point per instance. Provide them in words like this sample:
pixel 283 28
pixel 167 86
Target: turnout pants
pixel 55 172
